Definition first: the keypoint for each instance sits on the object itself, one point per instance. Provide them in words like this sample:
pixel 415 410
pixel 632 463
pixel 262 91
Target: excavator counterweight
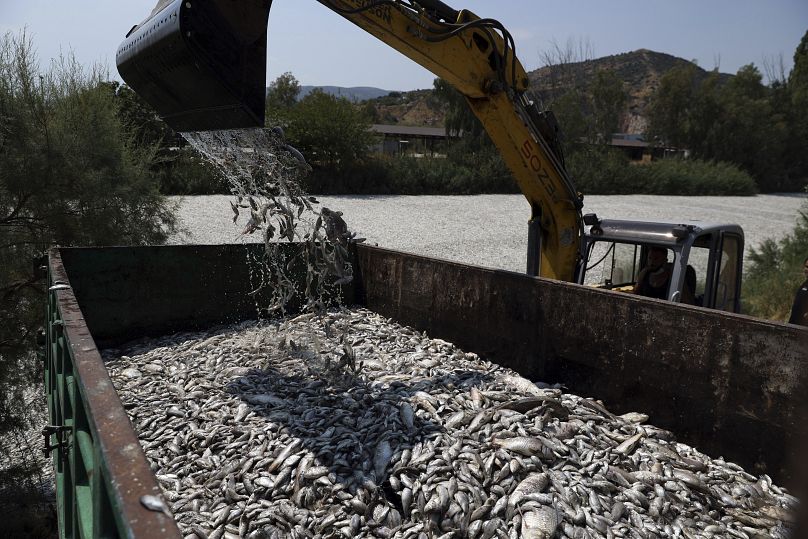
pixel 200 63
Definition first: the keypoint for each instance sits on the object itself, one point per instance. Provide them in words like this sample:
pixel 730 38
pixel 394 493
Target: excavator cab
pixel 705 259
pixel 200 63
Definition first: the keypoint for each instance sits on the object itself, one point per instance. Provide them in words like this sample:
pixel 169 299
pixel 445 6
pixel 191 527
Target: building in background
pixel 413 141
pixel 637 149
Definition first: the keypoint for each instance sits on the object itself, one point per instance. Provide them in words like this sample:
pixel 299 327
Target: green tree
pixel 70 174
pixel 329 130
pixel 282 96
pixel 775 272
pixel 797 87
pixel 702 126
pixel 670 109
pixel 736 122
pixel 460 119
pixel 570 109
pixel 748 132
pixel 371 112
pixel 608 101
pixel 178 167
pixel 139 118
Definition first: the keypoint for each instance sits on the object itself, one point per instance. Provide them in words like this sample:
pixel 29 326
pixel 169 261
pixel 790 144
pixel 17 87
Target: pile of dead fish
pixel 347 425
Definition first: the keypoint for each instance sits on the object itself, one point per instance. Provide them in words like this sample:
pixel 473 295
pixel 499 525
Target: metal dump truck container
pixel 728 384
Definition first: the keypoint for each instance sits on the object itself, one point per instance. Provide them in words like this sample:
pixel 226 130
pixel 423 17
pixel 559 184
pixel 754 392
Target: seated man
pixel 655 278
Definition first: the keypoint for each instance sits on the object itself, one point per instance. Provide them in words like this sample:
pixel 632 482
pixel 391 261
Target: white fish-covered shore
pixel 491 230
pixel 349 425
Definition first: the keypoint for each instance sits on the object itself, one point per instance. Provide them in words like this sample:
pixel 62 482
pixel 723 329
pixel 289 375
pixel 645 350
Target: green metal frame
pixel 83 505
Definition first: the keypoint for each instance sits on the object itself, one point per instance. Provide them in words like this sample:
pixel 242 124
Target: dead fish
pixel 219 409
pixel 634 417
pixel 235 212
pixel 526 386
pixel 534 482
pixel 540 524
pixel 627 447
pixel 381 457
pixel 524 445
pixel 407 415
pixel 282 456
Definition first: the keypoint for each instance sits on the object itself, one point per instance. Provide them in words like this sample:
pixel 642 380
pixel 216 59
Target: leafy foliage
pixel 605 171
pixel 775 273
pixel 282 96
pixel 330 131
pixel 459 117
pixel 608 99
pixel 795 108
pixel 179 169
pixel 461 172
pixel 184 172
pixel 742 122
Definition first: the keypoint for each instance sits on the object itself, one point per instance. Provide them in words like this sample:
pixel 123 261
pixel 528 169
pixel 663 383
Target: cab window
pixel 612 265
pixel 726 290
pixel 699 260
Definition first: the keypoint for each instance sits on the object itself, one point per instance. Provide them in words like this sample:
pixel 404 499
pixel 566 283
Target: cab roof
pixel 664 233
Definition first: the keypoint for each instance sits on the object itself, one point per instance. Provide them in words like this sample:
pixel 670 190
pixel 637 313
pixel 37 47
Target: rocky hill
pixel 356 93
pixel 414 108
pixel 641 71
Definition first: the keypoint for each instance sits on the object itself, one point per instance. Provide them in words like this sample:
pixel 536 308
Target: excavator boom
pixel 201 65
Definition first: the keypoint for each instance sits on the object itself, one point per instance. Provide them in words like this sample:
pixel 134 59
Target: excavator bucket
pixel 200 63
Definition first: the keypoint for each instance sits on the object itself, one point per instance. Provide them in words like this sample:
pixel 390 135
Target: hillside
pixel 641 71
pixel 356 93
pixel 413 108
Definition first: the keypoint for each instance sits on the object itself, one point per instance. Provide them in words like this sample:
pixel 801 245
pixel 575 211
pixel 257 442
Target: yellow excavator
pixel 202 65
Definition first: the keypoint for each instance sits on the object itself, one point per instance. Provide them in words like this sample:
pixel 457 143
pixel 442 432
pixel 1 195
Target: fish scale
pixel 284 438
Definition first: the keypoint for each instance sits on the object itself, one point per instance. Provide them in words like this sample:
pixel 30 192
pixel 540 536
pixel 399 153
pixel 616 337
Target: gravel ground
pixel 491 230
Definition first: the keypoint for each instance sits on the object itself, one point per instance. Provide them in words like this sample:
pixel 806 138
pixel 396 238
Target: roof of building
pixel 405 130
pixel 628 143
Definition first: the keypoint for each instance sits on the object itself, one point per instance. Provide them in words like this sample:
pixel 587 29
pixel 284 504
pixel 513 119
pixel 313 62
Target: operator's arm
pixel 640 279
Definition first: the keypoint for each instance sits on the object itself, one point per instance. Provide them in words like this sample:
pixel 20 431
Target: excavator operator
pixel 655 278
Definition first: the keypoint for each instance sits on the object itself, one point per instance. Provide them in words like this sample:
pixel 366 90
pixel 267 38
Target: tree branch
pixel 7 290
pixel 11 216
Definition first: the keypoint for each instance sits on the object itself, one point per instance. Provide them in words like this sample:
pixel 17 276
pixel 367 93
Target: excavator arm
pixel 202 65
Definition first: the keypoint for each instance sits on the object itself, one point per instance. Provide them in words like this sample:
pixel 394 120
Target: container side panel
pixel 129 292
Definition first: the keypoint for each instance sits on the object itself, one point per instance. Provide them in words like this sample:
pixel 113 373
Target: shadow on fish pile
pixel 347 425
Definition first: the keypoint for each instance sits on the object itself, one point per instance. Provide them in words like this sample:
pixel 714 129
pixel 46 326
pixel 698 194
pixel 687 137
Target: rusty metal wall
pixel 729 384
pixel 130 292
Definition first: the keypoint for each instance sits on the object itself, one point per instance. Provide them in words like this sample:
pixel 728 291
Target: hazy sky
pixel 321 48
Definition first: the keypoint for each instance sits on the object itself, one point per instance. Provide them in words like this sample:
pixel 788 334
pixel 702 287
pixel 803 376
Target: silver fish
pixel 540 524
